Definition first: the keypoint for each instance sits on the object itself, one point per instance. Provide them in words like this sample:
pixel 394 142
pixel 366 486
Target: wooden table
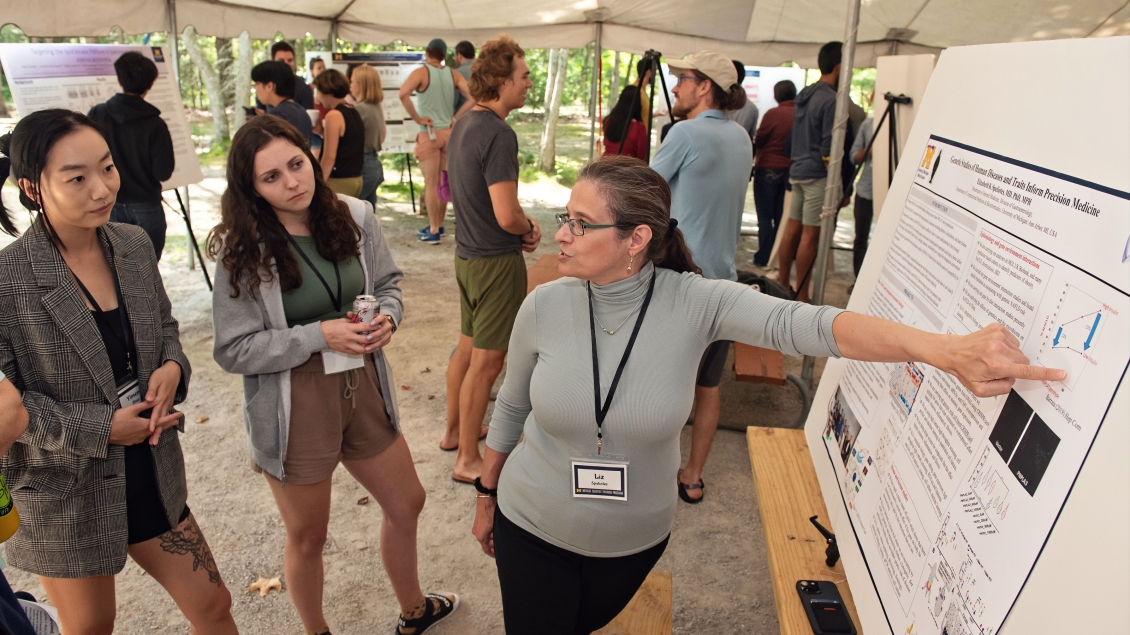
pixel 788 494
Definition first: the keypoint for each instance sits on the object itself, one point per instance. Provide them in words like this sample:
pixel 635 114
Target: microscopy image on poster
pixel 951 497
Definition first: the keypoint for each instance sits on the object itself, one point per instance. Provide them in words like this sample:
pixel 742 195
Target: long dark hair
pixel 23 155
pixel 637 195
pixel 627 106
pixel 246 219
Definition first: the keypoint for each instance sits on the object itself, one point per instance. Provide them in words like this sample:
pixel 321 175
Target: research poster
pixel 81 76
pixel 952 497
pixel 393 69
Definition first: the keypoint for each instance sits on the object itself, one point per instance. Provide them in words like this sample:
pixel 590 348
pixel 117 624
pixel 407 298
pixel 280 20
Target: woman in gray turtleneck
pixel 584 511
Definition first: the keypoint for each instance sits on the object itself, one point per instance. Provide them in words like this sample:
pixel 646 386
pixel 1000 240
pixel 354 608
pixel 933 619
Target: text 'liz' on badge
pixel 604 480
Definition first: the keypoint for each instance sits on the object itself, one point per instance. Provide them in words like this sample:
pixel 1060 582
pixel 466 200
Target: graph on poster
pixel 951 497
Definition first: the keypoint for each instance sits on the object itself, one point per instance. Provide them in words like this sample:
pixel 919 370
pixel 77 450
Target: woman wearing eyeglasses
pixel 599 384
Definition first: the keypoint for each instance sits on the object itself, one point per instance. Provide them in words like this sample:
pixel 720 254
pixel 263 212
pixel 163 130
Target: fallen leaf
pixel 364 500
pixel 202 419
pixel 404 387
pixel 263 586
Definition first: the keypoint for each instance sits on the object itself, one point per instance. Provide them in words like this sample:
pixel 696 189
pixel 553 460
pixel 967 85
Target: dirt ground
pixel 716 554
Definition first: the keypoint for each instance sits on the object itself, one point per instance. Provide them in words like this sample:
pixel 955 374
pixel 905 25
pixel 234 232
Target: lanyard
pixel 336 300
pixel 601 413
pixel 127 331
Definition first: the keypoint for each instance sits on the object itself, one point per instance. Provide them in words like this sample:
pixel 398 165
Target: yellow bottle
pixel 9 517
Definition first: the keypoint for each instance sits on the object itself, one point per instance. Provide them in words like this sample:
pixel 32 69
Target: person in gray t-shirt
pixel 492 231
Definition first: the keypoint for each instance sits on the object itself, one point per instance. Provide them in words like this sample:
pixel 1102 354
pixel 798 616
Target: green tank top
pixel 311 302
pixel 438 101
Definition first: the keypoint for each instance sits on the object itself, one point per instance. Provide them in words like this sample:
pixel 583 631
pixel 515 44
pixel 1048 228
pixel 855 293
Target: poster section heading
pixel 393 68
pixel 952 497
pixel 80 76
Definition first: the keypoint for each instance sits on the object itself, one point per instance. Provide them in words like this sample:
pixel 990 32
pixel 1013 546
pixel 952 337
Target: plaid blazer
pixel 68 482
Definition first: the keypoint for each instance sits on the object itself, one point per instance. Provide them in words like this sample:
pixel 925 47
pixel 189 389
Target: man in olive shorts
pixel 493 231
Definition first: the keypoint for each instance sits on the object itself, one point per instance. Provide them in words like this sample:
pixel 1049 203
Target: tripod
pixel 651 61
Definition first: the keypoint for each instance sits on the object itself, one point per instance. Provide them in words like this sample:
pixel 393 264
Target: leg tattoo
pixel 188 539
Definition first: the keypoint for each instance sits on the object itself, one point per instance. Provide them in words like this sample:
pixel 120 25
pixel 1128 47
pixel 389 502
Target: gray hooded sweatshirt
pixel 253 340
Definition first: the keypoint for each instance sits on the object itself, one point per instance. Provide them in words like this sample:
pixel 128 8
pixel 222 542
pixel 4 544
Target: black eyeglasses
pixel 682 77
pixel 576 227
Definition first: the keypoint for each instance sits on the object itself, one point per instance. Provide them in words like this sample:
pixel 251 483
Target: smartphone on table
pixel 825 608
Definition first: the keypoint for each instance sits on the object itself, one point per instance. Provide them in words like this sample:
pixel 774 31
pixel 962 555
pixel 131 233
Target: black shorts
pixel 145 512
pixel 712 364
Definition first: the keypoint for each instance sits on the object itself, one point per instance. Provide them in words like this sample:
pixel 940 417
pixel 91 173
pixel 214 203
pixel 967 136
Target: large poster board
pixel 947 505
pixel 393 68
pixel 81 76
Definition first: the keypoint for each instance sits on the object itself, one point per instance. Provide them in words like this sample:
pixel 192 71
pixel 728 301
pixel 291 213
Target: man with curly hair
pixel 493 232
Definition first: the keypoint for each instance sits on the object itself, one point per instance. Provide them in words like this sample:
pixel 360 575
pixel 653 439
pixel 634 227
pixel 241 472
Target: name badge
pixel 606 480
pixel 129 393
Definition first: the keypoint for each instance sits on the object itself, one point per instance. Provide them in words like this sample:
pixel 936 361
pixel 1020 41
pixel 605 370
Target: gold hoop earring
pixel 630 262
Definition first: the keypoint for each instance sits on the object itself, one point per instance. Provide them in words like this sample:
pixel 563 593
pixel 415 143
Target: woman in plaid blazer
pixel 99 471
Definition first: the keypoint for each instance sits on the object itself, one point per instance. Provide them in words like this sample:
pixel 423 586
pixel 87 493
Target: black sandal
pixel 683 492
pixel 439 607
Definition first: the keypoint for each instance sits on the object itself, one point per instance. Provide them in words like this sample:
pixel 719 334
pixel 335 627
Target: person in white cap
pixel 706 160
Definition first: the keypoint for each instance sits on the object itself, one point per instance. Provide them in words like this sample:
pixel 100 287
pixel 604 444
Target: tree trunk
pixel 211 78
pixel 550 77
pixel 242 79
pixel 547 159
pixel 614 81
pixel 3 105
pixel 225 62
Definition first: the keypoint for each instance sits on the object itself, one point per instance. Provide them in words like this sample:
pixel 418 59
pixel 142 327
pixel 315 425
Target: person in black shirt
pixel 343 146
pixel 141 145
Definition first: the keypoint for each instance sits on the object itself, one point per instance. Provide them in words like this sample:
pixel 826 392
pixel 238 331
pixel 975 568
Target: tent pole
pixel 593 114
pixel 174 46
pixel 333 36
pixel 833 191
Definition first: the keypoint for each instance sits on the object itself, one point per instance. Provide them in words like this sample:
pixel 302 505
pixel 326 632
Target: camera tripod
pixel 650 60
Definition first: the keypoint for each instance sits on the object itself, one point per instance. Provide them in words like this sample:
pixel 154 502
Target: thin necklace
pixel 613 331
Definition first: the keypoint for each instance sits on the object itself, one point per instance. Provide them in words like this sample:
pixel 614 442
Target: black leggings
pixel 547 590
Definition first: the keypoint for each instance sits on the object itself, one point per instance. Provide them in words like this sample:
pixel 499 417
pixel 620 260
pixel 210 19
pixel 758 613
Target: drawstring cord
pixel 351 383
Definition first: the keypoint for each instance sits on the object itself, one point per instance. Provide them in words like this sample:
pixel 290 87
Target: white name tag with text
pixel 606 480
pixel 335 362
pixel 129 393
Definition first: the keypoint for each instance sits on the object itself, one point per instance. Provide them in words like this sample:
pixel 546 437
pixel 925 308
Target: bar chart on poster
pixel 952 497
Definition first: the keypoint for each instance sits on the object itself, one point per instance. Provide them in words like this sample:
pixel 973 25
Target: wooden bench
pixel 649 612
pixel 787 495
pixel 542 271
pixel 759 365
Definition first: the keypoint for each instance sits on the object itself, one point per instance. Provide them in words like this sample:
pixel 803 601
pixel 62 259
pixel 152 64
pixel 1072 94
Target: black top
pixel 140 144
pixel 110 326
pixel 351 145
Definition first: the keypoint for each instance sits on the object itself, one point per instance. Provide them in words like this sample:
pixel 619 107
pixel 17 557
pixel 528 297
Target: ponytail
pixel 6 224
pixel 637 195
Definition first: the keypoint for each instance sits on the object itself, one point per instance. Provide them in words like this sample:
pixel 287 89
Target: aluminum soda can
pixel 365 309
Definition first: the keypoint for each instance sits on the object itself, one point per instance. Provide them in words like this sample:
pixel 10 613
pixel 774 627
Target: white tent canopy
pixel 759 32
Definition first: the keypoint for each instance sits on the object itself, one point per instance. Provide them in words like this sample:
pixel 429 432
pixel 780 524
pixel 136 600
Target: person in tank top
pixel 343 147
pixel 435 86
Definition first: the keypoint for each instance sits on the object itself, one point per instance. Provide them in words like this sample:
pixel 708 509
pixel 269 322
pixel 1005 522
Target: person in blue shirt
pixel 707 160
